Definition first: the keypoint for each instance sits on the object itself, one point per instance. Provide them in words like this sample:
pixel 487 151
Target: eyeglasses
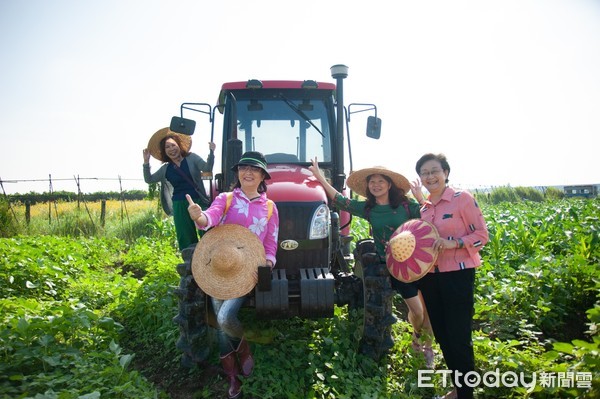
pixel 426 174
pixel 246 168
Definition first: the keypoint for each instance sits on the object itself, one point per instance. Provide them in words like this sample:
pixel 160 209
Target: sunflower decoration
pixel 409 254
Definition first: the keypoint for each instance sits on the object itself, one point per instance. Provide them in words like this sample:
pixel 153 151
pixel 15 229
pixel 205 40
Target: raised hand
pixel 416 190
pixel 146 153
pixel 316 171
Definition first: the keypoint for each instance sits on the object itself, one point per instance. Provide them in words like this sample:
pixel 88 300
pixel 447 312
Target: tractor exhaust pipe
pixel 339 72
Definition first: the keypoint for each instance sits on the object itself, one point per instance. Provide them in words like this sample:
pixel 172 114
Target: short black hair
pixel 441 158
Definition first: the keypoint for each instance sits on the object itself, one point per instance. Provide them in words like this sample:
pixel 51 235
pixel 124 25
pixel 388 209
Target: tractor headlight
pixel 319 225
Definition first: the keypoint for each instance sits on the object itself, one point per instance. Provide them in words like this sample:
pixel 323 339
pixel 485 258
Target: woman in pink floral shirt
pixel 448 290
pixel 249 207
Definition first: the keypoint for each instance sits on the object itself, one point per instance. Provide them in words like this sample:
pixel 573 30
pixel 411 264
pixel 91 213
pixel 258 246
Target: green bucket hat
pixel 253 158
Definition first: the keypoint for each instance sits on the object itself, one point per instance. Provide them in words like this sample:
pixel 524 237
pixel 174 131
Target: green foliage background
pixel 90 316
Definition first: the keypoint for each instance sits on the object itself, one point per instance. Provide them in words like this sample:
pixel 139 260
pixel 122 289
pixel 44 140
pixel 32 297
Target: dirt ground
pixel 179 382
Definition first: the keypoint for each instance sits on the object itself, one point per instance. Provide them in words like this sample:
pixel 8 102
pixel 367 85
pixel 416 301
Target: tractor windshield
pixel 285 127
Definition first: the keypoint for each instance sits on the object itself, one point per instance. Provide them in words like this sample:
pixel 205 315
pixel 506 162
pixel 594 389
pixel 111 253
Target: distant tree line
pixel 493 196
pixel 518 194
pixel 67 196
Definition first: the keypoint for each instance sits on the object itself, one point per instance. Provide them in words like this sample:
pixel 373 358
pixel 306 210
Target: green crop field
pixel 86 312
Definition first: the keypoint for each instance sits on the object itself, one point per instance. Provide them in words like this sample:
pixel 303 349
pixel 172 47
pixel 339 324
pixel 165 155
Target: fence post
pixel 50 200
pixel 102 212
pixel 27 212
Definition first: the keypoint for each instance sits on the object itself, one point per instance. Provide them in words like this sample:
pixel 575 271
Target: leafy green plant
pixel 63 350
pixel 92 317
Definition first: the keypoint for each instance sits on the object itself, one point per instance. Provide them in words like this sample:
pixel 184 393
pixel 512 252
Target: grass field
pixel 119 219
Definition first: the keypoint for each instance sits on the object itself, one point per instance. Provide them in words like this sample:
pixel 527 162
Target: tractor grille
pixel 294 222
pixel 294 219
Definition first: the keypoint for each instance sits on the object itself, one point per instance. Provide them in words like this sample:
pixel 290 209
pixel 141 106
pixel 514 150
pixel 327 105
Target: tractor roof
pixel 276 84
pixel 254 84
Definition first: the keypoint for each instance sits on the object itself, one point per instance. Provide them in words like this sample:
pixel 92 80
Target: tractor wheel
pixel 378 298
pixel 194 333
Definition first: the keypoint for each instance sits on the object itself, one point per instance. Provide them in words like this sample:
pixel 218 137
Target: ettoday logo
pixel 508 379
pixel 473 379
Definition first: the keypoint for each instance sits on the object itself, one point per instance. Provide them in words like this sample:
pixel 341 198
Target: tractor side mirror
pixel 373 127
pixel 182 125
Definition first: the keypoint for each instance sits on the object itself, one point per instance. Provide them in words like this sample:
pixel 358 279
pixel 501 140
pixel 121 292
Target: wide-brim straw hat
pixel 226 260
pixel 357 181
pixel 409 254
pixel 154 142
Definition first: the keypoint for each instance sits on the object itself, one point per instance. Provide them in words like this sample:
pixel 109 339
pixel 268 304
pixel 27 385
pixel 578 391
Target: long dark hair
pixel 163 154
pixel 397 195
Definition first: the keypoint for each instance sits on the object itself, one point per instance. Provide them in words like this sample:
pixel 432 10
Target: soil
pixel 179 382
pixel 183 384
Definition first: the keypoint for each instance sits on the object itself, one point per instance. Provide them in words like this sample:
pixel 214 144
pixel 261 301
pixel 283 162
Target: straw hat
pixel 154 142
pixel 357 181
pixel 225 260
pixel 409 254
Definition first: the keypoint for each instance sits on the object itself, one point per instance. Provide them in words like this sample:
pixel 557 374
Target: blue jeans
pixel 230 330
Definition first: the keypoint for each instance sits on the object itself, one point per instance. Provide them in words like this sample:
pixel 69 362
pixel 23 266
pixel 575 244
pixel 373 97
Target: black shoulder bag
pixel 187 178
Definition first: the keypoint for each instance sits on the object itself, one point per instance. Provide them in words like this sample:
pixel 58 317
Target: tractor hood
pixel 294 183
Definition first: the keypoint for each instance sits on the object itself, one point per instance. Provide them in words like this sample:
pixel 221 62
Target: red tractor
pixel 291 122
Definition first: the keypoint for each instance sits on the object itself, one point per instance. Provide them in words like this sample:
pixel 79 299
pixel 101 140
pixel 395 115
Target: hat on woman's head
pixel 154 142
pixel 225 261
pixel 357 181
pixel 409 254
pixel 253 158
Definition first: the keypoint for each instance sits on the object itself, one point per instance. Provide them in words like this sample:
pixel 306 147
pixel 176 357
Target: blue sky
pixel 509 90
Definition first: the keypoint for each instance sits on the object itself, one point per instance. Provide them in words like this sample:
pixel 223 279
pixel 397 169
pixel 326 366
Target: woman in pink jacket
pixel 247 206
pixel 448 290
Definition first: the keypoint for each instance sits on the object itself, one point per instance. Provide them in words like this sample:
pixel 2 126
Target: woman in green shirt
pixel 386 207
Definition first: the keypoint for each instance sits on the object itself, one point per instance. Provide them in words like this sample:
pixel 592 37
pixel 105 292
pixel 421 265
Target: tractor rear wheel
pixel 378 297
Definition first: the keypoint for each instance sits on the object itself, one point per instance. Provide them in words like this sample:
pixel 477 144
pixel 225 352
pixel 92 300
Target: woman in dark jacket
pixel 180 174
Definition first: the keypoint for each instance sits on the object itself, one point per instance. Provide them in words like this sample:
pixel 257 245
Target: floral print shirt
pixel 252 214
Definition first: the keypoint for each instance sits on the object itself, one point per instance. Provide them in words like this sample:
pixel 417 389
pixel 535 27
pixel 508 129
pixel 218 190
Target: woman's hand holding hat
pixel 442 244
pixel 226 261
pixel 194 210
